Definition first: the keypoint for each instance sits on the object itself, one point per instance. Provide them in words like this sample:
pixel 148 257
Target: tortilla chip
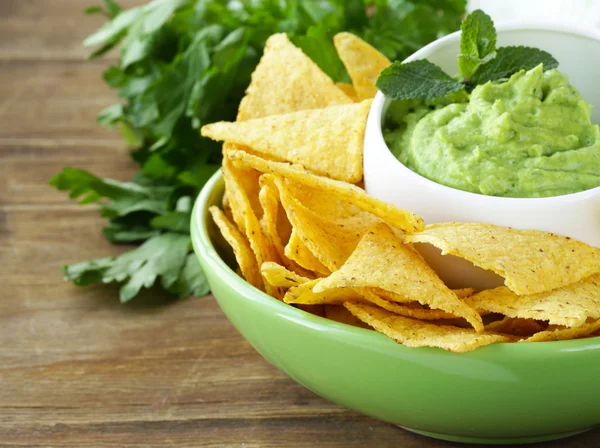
pixel 339 313
pixel 530 261
pixel 280 277
pixel 404 310
pixel 565 333
pixel 297 251
pixel 350 91
pixel 287 80
pixel 303 294
pixel 570 306
pixel 276 226
pixel 332 230
pixel 363 62
pixel 241 247
pixel 515 327
pixel 238 183
pixel 326 141
pixel 416 333
pixel 463 293
pixel 396 217
pixel 381 260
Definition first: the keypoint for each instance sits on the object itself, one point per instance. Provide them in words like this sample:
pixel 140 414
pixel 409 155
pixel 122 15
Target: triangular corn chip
pixel 392 266
pixel 297 251
pixel 241 247
pixel 416 333
pixel 276 226
pixel 530 261
pixel 565 333
pixel 405 309
pixel 236 181
pixel 570 305
pixel 331 230
pixel 396 217
pixel 326 141
pixel 287 80
pixel 303 294
pixel 363 62
pixel 349 90
pixel 280 277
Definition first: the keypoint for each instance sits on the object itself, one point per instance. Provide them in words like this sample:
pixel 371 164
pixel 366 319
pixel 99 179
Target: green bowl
pixel 502 393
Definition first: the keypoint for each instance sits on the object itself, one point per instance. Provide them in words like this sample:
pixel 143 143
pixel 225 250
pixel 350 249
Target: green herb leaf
pixel 191 280
pixel 510 60
pixel 477 42
pixel 418 79
pixel 162 256
pixel 126 197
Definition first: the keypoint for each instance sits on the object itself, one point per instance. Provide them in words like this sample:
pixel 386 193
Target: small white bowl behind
pixel 576 215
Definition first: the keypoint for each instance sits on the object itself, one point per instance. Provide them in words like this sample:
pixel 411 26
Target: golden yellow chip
pixel 363 62
pixel 571 305
pixel 331 231
pixel 297 251
pixel 405 310
pixel 416 333
pixel 241 248
pixel 238 182
pixel 530 261
pixel 382 261
pixel 287 80
pixel 350 91
pixel 565 333
pixel 326 141
pixel 303 294
pixel 339 313
pixel 516 327
pixel 280 277
pixel 463 293
pixel 396 217
pixel 276 225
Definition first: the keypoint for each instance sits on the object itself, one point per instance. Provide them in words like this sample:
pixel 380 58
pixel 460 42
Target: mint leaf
pixel 477 42
pixel 418 79
pixel 510 60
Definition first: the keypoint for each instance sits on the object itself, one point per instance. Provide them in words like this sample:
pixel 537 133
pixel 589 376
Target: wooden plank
pixel 27 165
pixel 53 99
pixel 47 30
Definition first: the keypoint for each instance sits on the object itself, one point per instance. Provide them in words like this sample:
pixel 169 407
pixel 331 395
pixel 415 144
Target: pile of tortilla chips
pixel 304 231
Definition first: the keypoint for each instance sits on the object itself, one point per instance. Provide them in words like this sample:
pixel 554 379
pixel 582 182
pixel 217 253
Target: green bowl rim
pixel 204 248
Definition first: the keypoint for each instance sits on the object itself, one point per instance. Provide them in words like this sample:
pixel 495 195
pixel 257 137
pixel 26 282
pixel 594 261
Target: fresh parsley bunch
pixel 479 62
pixel 186 63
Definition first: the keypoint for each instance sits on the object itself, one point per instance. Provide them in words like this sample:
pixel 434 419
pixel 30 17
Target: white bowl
pixel 576 215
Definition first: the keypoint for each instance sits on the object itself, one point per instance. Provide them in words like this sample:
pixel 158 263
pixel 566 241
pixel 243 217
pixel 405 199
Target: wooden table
pixel 77 368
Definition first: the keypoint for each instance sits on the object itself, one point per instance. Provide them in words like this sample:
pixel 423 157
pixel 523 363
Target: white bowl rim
pixel 379 103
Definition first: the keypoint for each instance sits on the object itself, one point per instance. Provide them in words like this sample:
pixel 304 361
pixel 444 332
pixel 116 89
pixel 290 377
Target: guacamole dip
pixel 530 136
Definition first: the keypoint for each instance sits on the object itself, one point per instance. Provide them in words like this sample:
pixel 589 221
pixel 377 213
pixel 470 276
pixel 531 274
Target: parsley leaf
pixel 416 79
pixel 477 42
pixel 510 60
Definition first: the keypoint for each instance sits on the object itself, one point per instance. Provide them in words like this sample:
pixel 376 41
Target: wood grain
pixel 77 369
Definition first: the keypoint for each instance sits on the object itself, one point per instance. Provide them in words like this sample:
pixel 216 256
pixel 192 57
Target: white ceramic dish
pixel 576 215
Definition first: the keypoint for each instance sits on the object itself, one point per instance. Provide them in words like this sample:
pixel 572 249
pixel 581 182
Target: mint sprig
pixel 479 62
pixel 510 60
pixel 417 79
pixel 477 42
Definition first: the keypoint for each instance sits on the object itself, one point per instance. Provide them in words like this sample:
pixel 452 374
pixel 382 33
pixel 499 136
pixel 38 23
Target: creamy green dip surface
pixel 530 136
